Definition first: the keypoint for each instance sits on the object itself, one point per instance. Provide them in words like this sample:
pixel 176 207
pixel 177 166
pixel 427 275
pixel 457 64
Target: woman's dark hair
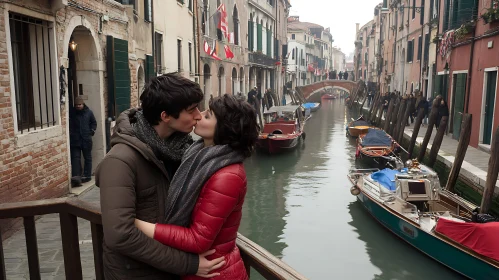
pixel 236 123
pixel 170 93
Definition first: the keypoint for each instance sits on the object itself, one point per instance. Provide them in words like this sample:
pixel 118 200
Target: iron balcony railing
pixel 261 59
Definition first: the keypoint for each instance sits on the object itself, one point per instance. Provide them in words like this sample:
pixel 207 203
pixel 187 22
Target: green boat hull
pixel 432 246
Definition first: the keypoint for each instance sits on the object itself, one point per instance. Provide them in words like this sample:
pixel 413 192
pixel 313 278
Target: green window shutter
pixel 446 15
pixel 467 11
pixel 250 35
pixel 259 37
pixel 150 73
pixel 118 76
pixel 269 42
pixel 438 86
pixel 455 14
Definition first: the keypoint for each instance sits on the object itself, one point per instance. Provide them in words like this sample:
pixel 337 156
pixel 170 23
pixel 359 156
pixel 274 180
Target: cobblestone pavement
pixel 50 253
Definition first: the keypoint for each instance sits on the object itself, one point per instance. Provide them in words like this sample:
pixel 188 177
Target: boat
pixel 312 106
pixel 358 127
pixel 375 143
pixel 283 128
pixel 411 204
pixel 330 96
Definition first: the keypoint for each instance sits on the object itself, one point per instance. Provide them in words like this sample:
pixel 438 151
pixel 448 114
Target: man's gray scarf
pixel 171 148
pixel 198 165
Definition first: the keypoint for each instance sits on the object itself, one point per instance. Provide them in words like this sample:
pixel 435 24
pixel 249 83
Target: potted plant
pixel 464 30
pixel 491 14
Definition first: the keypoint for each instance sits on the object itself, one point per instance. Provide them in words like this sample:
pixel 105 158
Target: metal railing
pixel 69 209
pixel 261 59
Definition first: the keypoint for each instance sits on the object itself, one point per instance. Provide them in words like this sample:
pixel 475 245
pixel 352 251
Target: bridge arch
pixel 314 92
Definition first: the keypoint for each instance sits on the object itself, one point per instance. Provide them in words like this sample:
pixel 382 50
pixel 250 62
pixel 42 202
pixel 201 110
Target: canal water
pixel 299 207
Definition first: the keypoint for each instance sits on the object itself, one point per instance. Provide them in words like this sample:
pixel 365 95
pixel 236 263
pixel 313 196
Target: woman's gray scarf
pixel 198 165
pixel 171 148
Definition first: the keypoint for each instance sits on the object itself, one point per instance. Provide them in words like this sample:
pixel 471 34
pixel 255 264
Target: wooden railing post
pixel 393 118
pixel 431 122
pixel 400 117
pixel 70 246
pixel 3 273
pixel 437 142
pixel 32 248
pixel 492 173
pixel 462 147
pixel 97 238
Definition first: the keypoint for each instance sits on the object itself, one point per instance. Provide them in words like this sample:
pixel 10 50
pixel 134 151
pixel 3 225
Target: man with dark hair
pixel 134 178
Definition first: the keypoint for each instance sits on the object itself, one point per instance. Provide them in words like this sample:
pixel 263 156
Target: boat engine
pixel 354 190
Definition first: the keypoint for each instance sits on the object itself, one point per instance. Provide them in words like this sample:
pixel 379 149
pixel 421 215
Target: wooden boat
pixel 375 143
pixel 358 127
pixel 330 96
pixel 282 130
pixel 412 205
pixel 312 106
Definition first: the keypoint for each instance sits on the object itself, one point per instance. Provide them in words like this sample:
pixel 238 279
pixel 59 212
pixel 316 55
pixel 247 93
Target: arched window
pixel 234 81
pixel 241 80
pixel 235 19
pixel 221 81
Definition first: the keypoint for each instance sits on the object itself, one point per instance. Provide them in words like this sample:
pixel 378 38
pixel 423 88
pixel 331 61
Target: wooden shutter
pixel 438 86
pixel 259 37
pixel 459 93
pixel 269 42
pixel 420 47
pixel 118 76
pixel 467 11
pixel 150 73
pixel 147 10
pixel 446 15
pixel 250 35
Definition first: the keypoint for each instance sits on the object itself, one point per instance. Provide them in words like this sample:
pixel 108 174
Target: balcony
pixel 264 6
pixel 261 59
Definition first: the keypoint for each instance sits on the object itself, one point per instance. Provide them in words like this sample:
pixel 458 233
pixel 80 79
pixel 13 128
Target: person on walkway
pixel 134 180
pixel 204 203
pixel 370 96
pixel 334 75
pixel 423 105
pixel 82 126
pixel 443 111
pixel 269 98
pixel 340 76
pixel 345 75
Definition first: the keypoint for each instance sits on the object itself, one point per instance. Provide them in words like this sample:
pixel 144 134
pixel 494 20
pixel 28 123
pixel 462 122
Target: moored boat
pixel 375 143
pixel 282 130
pixel 412 205
pixel 312 106
pixel 358 127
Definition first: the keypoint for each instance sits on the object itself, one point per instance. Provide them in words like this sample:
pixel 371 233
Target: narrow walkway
pixel 48 231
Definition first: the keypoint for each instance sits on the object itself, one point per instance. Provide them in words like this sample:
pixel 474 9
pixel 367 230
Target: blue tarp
pixel 386 178
pixel 376 138
pixel 309 105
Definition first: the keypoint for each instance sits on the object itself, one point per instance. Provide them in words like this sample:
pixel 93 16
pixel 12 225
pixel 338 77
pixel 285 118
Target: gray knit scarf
pixel 198 165
pixel 171 148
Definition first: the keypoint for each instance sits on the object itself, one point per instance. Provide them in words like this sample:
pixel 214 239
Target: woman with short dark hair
pixel 204 203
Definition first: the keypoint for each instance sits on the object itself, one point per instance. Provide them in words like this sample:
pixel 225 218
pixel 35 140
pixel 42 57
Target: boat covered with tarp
pixel 375 143
pixel 312 106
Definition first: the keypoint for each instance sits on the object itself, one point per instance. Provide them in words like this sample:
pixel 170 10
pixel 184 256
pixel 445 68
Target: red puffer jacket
pixel 215 221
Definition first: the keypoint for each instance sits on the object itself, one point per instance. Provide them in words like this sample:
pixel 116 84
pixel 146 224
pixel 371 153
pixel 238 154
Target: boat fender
pixel 304 135
pixel 354 190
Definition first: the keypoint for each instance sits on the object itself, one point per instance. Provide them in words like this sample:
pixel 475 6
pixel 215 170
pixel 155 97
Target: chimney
pixel 357 26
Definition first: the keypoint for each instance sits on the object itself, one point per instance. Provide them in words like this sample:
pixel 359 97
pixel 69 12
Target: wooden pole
pixel 437 142
pixel 400 115
pixel 380 116
pixel 379 104
pixel 415 132
pixel 431 122
pixel 408 109
pixel 462 146
pixel 492 173
pixel 373 104
pixel 393 119
pixel 391 107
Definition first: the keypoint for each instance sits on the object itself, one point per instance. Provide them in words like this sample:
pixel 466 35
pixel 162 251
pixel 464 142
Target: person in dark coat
pixel 82 126
pixel 345 75
pixel 334 75
pixel 423 105
pixel 443 111
pixel 340 76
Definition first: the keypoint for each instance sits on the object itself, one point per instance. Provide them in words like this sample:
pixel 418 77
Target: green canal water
pixel 299 207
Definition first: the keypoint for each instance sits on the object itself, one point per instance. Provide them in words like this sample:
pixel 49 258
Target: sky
pixel 339 15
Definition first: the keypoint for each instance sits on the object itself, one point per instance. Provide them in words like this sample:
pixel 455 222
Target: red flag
pixel 210 51
pixel 223 24
pixel 228 52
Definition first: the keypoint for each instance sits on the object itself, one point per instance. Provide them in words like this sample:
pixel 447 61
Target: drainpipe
pixel 152 33
pixel 195 38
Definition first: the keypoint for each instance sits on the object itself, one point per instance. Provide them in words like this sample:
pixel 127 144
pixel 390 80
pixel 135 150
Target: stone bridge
pixel 314 92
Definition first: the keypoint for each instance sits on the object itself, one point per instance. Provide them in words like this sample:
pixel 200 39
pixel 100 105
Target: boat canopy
pixel 282 109
pixel 481 238
pixel 310 105
pixel 386 178
pixel 376 138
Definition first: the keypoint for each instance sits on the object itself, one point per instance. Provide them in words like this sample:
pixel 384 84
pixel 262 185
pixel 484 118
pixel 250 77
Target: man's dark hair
pixel 170 93
pixel 236 123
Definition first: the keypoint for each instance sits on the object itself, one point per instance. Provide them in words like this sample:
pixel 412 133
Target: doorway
pixel 488 106
pixel 458 95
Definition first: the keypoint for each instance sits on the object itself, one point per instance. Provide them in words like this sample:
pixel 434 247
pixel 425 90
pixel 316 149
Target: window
pixel 147 10
pixel 426 47
pixel 179 55
pixel 189 5
pixel 181 1
pixel 413 9
pixel 158 52
pixel 190 57
pixel 458 12
pixel 205 22
pixel 410 50
pixel 421 13
pixel 293 54
pixel 293 36
pixel 420 47
pixel 33 62
pixel 235 20
pixel 251 35
pixel 305 38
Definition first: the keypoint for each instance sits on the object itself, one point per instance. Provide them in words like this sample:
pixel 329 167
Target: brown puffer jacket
pixel 133 184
